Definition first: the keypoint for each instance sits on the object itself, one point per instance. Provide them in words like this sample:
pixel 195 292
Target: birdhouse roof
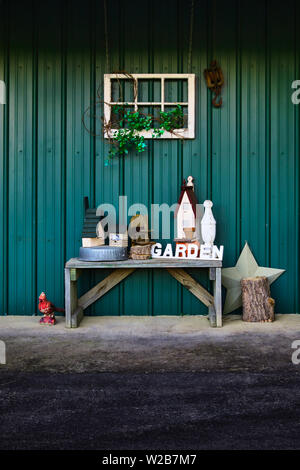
pixel 188 190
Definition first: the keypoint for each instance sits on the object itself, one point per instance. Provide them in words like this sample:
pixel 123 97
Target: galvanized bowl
pixel 103 253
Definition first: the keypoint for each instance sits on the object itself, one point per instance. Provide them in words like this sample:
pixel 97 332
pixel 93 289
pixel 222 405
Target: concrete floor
pixel 149 344
pixel 149 383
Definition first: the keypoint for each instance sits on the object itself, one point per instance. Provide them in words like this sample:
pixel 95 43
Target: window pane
pixel 153 112
pixel 176 91
pixel 122 90
pixel 115 90
pixel 117 116
pixel 179 120
pixel 149 90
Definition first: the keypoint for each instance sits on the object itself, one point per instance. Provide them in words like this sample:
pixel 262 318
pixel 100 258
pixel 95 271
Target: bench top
pixel 148 263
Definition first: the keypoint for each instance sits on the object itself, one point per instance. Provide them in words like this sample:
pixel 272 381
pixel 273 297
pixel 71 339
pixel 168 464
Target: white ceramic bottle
pixel 208 225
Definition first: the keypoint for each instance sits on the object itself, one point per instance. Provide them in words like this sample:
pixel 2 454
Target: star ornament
pixel 246 266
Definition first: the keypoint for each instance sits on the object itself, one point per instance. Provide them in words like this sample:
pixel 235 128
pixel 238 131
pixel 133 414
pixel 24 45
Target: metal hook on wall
pixel 215 80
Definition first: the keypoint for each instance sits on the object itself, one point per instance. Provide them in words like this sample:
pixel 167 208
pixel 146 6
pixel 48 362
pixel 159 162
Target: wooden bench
pixel 121 269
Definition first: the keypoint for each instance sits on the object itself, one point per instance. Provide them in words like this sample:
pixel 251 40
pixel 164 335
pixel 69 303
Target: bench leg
pixel 218 297
pixel 77 317
pixel 211 309
pixel 73 312
pixel 215 310
pixel 212 316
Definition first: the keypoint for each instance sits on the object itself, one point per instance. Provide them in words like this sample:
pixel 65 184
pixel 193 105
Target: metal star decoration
pixel 246 266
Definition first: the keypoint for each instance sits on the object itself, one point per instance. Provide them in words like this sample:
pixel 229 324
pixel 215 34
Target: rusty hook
pixel 217 100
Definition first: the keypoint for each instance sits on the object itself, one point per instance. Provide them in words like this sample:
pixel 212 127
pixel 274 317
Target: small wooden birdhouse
pixel 188 213
pixel 119 236
pixel 139 230
pixel 93 231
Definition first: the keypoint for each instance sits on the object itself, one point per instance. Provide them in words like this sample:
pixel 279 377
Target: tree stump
pixel 258 306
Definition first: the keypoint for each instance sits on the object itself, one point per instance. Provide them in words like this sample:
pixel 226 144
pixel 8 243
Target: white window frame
pixel 187 133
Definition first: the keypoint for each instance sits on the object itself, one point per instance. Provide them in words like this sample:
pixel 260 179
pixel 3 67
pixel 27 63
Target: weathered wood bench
pixel 121 269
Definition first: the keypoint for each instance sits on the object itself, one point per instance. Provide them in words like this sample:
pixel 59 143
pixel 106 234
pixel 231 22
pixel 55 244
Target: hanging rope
pixel 214 14
pixel 106 37
pixel 213 74
pixel 191 37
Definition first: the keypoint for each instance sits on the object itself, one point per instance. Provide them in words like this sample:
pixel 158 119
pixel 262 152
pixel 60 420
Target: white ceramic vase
pixel 208 224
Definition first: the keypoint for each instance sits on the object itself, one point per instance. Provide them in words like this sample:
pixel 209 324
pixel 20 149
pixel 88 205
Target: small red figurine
pixel 47 309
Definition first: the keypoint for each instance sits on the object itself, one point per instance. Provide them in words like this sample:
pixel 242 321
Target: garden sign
pixel 188 251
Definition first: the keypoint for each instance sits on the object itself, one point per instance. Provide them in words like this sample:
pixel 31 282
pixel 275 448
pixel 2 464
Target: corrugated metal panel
pixel 21 162
pixel 3 174
pixel 283 193
pixel 50 152
pixel 245 155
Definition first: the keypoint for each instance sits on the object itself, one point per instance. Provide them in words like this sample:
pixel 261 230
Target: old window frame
pixel 186 133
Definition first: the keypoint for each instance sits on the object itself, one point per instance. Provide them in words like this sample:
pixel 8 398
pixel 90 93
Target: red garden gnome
pixel 47 309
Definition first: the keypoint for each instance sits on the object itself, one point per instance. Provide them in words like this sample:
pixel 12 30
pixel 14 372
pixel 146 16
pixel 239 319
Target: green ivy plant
pixel 173 119
pixel 132 122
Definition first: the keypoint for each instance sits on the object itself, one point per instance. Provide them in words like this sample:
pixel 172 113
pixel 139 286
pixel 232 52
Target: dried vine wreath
pixel 128 124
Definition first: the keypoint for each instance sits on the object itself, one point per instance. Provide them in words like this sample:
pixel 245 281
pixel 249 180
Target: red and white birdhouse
pixel 188 213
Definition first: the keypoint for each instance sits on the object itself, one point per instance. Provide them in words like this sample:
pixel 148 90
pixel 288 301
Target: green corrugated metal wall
pixel 245 156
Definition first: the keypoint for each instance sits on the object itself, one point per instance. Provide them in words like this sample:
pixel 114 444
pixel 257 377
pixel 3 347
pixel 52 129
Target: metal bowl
pixel 103 253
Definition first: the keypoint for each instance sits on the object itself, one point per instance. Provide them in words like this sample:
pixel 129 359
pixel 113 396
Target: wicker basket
pixel 140 251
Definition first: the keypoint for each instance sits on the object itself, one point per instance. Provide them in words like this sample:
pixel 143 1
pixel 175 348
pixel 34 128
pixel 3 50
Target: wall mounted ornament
pixel 215 80
pixel 246 266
